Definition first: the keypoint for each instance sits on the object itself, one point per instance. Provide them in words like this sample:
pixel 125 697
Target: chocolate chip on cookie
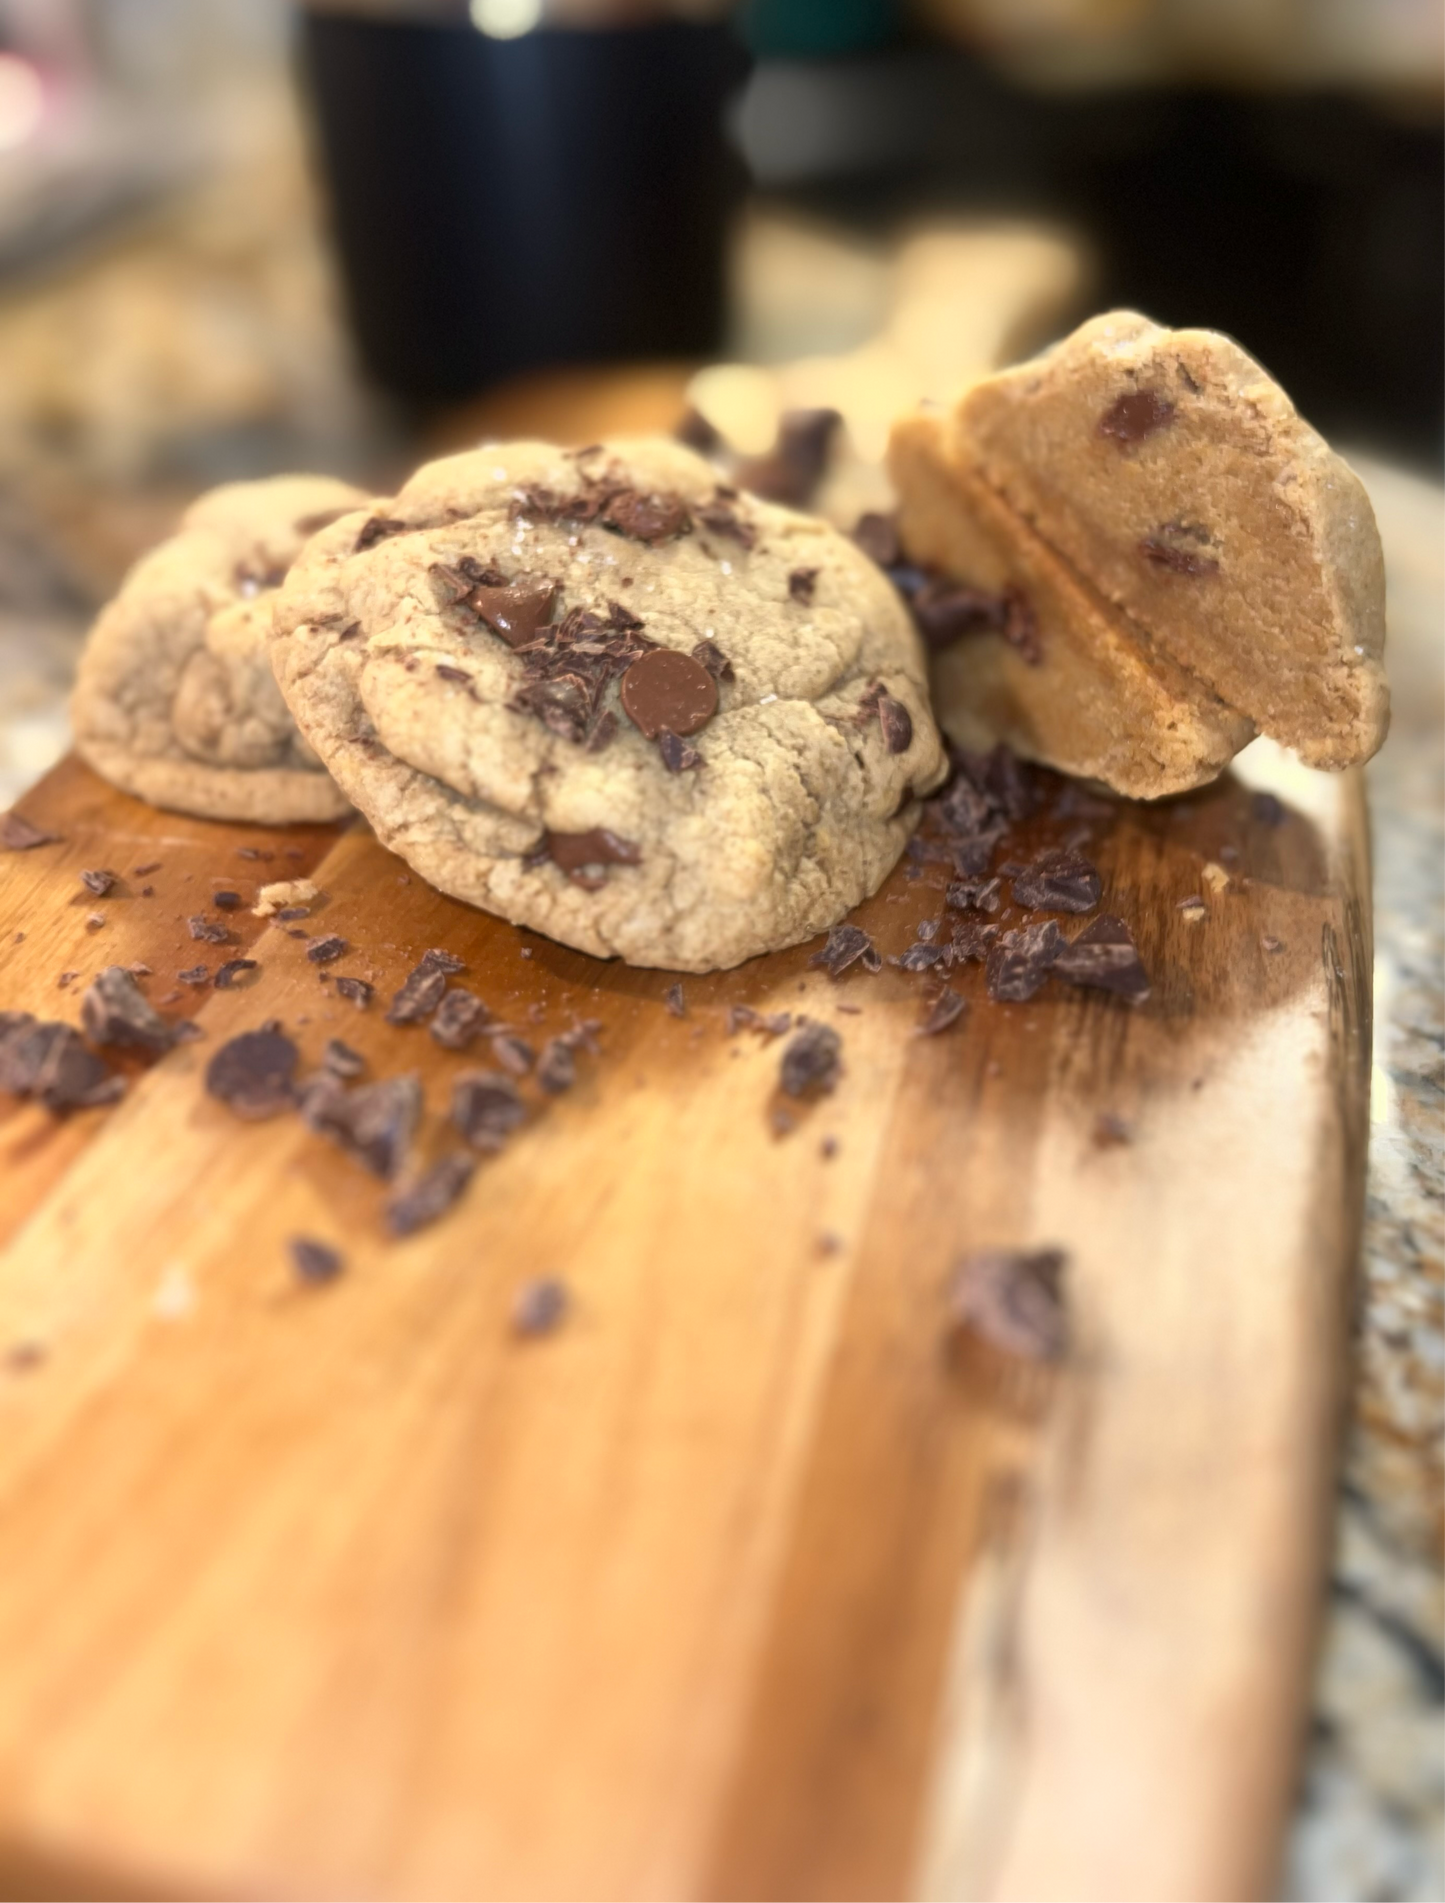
pixel 665 689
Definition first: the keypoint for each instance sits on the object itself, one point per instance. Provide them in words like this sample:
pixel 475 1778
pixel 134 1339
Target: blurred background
pixel 240 236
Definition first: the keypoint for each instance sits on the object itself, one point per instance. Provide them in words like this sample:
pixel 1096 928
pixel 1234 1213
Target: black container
pixel 501 205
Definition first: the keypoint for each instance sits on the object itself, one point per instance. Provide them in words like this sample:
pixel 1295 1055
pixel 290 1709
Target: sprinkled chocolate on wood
pixel 812 1061
pixel 114 1011
pixel 847 945
pixel 100 881
pixel 356 991
pixel 486 1108
pixel 1058 881
pixel 233 968
pixel 209 931
pixel 254 1074
pixel 947 1008
pixel 1019 961
pixel 556 1067
pixel 431 1195
pixel 341 1060
pixel 1104 955
pixel 48 1061
pixel 18 834
pixel 325 951
pixel 314 1262
pixel 373 1123
pixel 459 1018
pixel 675 1002
pixel 539 1306
pixel 1014 1301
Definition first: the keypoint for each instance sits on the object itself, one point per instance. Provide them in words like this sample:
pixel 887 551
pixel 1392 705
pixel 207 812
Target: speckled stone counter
pixel 1371 1821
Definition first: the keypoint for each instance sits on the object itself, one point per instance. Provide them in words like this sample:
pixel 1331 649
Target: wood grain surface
pixel 740 1583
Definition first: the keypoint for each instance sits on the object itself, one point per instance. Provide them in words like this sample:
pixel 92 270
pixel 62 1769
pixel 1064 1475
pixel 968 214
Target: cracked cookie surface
pixel 175 700
pixel 600 695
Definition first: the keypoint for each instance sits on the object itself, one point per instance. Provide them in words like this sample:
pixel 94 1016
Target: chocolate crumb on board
pixel 539 1306
pixel 513 1053
pixel 742 1017
pixel 486 1108
pixel 209 931
pixel 1018 962
pixel 356 991
pixel 254 1074
pixel 233 968
pixel 341 1060
pixel 1058 881
pixel 18 834
pixel 801 584
pixel 151 865
pixel 847 945
pixel 95 921
pixel 66 979
pixel 314 1262
pixel 422 990
pixel 100 881
pixel 675 1002
pixel 811 1061
pixel 975 895
pixel 1110 1131
pixel 194 975
pixel 1104 955
pixel 556 1067
pixel 458 1019
pixel 373 1123
pixel 1013 1300
pixel 972 940
pixel 49 1062
pixel 114 1011
pixel 714 660
pixel 431 1195
pixel 583 857
pixel 921 956
pixel 227 900
pixel 947 1008
pixel 325 951
pixel 781 1120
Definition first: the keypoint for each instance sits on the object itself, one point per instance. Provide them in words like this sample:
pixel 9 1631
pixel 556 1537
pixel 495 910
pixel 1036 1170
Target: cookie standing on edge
pixel 1197 563
pixel 601 695
pixel 174 698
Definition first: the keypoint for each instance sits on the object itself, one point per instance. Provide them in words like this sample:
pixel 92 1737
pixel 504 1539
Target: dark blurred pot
pixel 501 205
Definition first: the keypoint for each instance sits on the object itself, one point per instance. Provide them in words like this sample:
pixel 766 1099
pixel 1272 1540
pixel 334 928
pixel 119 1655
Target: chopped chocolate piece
pixel 253 1074
pixel 782 1120
pixel 100 882
pixel 723 519
pixel 945 611
pixel 459 1017
pixel 711 656
pixel 1018 962
pixel 667 689
pixel 341 1060
pixel 927 930
pixel 972 939
pixel 1013 1300
pixel 314 1262
pixel 288 913
pixel 517 611
pixel 828 1148
pixel 1004 780
pixel 374 1122
pixel 539 1306
pixel 963 809
pixel 1268 810
pixel 580 855
pixel 921 957
pixel 794 466
pixel 226 901
pixel 697 433
pixel 947 1008
pixel 356 990
pixel 677 755
pixel 113 1011
pixel 147 891
pixel 513 1053
pixel 1135 415
pixel 1058 882
pixel 1164 553
pixel 601 731
pixel 486 1108
pixel 423 989
pixel 48 1061
pixel 974 895
pixel 209 931
pixel 229 972
pixel 896 722
pixel 435 959
pixel 877 536
pixel 811 1060
pixel 1104 955
pixel 742 1017
pixel 646 518
pixel 847 945
pixel 675 1001
pixel 557 1067
pixel 801 583
pixel 66 978
pixel 151 865
pixel 194 975
pixel 1110 1131
pixel 325 951
pixel 375 529
pixel 18 834
pixel 431 1195
pixel 452 673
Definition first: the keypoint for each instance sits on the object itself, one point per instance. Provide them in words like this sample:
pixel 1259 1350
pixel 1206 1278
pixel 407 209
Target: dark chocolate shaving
pixel 847 945
pixel 209 931
pixel 947 1008
pixel 314 1262
pixel 459 1018
pixel 896 722
pixel 228 973
pixel 1058 881
pixel 341 1060
pixel 48 1061
pixel 971 942
pixel 714 660
pixel 18 834
pixel 1104 955
pixel 539 1306
pixel 194 975
pixel 675 1002
pixel 1013 1300
pixel 556 1067
pixel 677 755
pixel 431 1195
pixel 801 584
pixel 922 957
pixel 325 951
pixel 113 1011
pixel 253 1074
pixel 486 1108
pixel 101 882
pixel 373 1123
pixel 812 1061
pixel 1018 962
pixel 570 665
pixel 974 895
pixel 423 989
pixel 513 1053
pixel 742 1017
pixel 356 991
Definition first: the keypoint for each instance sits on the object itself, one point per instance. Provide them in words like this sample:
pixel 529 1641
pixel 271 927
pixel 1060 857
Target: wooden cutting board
pixel 739 1584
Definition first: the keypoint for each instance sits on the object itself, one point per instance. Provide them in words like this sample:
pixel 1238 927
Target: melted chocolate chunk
pixel 646 518
pixel 847 945
pixel 675 1001
pixel 208 931
pixel 254 1074
pixel 556 1067
pixel 47 1061
pixel 356 990
pixel 228 973
pixel 1058 881
pixel 677 755
pixel 666 689
pixel 723 519
pixel 100 882
pixel 539 1306
pixel 373 1123
pixel 801 584
pixel 1135 415
pixel 314 1262
pixel 325 951
pixel 18 834
pixel 516 612
pixel 974 895
pixel 582 855
pixel 1014 1301
pixel 459 1017
pixel 1019 961
pixel 570 665
pixel 877 536
pixel 709 655
pixel 947 1008
pixel 812 1061
pixel 113 1011
pixel 486 1108
pixel 431 1195
pixel 375 529
pixel 1104 955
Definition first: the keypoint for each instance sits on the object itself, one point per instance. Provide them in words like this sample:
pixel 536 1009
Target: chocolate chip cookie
pixel 174 699
pixel 1165 557
pixel 606 696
